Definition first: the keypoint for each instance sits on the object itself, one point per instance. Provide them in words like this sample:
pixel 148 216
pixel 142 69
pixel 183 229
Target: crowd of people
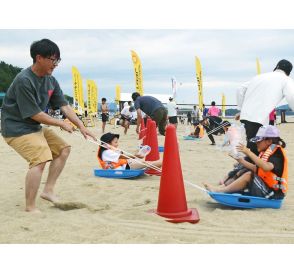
pixel 262 172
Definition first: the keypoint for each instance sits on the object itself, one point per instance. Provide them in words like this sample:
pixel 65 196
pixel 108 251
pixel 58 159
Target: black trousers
pixel 251 131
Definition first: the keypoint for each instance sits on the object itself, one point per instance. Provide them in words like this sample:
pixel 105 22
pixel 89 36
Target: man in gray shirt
pixel 153 108
pixel 22 114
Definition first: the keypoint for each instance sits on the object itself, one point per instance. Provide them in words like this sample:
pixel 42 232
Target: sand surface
pixel 101 210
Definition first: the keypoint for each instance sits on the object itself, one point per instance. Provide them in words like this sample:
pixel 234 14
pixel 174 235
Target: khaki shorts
pixel 38 147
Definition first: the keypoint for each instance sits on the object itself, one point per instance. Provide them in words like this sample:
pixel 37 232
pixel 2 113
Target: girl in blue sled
pixel 268 176
pixel 110 157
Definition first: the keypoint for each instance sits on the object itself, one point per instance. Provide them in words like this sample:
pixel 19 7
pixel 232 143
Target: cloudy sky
pixel 228 58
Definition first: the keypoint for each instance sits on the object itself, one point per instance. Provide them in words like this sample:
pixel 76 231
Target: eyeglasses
pixel 54 61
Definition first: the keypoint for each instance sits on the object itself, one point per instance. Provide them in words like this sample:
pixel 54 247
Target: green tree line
pixel 7 75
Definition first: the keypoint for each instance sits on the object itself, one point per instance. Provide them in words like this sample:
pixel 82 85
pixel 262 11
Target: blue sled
pixel 190 138
pixel 244 201
pixel 121 174
pixel 160 149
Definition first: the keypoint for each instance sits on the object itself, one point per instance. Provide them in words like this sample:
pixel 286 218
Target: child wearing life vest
pixel 268 176
pixel 110 157
pixel 199 130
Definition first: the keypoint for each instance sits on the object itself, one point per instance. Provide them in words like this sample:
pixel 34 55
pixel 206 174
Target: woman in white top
pixel 112 158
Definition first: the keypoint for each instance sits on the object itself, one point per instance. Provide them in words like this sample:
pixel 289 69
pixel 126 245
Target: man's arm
pixel 241 92
pixel 139 118
pixel 71 115
pixel 42 117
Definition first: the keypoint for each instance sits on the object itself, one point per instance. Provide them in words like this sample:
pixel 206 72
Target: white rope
pixel 125 153
pixel 143 163
pixel 215 129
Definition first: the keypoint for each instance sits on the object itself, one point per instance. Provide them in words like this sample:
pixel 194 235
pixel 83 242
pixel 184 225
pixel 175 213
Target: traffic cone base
pixel 153 172
pixel 190 216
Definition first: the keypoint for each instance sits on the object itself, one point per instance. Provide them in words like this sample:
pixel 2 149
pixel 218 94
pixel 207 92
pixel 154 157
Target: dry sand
pixel 115 211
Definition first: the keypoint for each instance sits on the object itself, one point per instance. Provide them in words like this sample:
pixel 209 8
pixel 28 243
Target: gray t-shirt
pixel 148 104
pixel 27 96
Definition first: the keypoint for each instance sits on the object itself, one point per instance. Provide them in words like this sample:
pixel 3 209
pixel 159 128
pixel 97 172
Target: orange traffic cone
pixel 151 140
pixel 146 131
pixel 172 202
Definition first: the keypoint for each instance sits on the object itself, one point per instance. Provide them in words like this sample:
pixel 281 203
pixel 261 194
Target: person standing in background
pixel 272 117
pixel 105 113
pixel 213 110
pixel 172 112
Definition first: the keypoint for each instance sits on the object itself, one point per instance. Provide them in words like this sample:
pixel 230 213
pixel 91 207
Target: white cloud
pixel 227 57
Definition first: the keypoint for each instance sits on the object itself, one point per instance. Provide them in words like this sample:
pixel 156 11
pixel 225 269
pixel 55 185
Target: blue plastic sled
pixel 190 138
pixel 244 201
pixel 118 173
pixel 160 149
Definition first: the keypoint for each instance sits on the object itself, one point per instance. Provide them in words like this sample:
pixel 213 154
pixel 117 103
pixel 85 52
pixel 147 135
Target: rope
pixel 143 163
pixel 126 154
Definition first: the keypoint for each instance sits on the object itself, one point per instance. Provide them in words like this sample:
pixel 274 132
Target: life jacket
pixel 270 178
pixel 111 165
pixel 201 133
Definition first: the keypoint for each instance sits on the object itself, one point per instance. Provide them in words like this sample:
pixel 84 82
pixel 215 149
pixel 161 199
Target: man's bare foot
pixel 33 210
pixel 49 197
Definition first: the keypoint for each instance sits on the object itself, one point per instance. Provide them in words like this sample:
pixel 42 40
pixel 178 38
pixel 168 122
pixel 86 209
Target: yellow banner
pixel 95 100
pixel 223 105
pixel 258 66
pixel 78 91
pixel 117 94
pixel 138 72
pixel 199 81
pixel 92 97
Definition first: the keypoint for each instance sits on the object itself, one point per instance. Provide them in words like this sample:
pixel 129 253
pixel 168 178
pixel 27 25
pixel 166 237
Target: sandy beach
pixel 115 211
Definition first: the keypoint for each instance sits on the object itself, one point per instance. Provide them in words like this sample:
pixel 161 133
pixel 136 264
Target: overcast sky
pixel 228 58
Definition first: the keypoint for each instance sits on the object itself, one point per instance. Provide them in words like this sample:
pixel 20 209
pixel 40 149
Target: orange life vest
pixel 111 165
pixel 201 133
pixel 270 178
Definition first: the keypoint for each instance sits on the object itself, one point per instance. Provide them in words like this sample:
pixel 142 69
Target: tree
pixel 7 75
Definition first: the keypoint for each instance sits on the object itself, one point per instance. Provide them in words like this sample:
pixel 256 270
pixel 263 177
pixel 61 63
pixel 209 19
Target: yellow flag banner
pixel 117 94
pixel 199 81
pixel 223 105
pixel 258 66
pixel 92 97
pixel 78 91
pixel 95 96
pixel 138 72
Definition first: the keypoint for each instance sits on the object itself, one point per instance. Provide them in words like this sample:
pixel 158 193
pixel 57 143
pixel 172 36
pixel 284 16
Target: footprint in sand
pixel 70 205
pixel 147 201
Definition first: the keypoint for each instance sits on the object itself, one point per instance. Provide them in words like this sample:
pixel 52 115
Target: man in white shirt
pixel 258 97
pixel 172 112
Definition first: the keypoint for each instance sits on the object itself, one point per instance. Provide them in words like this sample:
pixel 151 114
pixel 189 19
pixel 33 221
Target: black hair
pixel 284 65
pixel 103 99
pixel 135 95
pixel 45 48
pixel 278 141
pixel 213 103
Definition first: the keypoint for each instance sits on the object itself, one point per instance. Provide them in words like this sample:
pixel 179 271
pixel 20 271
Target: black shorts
pixel 104 117
pixel 257 187
pixel 173 120
pixel 123 117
